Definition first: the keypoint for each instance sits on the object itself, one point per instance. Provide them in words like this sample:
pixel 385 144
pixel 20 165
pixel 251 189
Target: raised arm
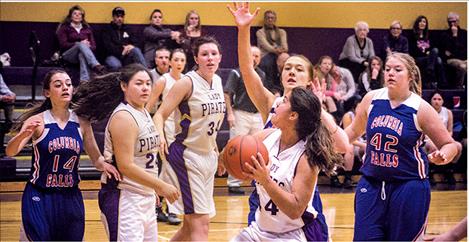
pixel 262 98
pixel 124 133
pixel 32 126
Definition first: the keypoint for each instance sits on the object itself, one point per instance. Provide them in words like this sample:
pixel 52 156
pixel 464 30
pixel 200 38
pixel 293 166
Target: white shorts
pixel 136 217
pixel 194 175
pixel 254 233
pixel 246 123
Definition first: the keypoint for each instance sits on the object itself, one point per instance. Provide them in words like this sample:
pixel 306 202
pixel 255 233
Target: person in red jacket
pixel 77 42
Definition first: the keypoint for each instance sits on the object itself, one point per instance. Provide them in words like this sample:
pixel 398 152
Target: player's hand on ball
pixel 259 171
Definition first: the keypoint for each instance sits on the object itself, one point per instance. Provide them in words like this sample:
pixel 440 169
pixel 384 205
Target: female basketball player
pixel 161 87
pixel 132 142
pixel 52 204
pixel 193 155
pixel 393 196
pixel 299 148
pixel 297 71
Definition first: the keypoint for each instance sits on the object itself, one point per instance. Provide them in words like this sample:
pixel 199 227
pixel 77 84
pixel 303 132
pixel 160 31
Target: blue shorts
pixel 391 210
pixel 53 215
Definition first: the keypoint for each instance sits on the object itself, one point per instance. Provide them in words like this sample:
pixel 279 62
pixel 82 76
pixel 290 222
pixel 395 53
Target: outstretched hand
pixel 243 17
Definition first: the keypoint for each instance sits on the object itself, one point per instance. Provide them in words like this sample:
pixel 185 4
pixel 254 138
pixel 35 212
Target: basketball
pixel 239 150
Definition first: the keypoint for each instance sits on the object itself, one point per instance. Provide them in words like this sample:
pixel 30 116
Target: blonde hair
pixel 415 85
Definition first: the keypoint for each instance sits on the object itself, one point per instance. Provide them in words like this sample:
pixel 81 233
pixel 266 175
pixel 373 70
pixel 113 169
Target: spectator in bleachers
pixel 357 50
pixel 272 41
pixel 77 42
pixel 426 54
pixel 454 51
pixel 372 78
pixel 323 72
pixel 191 32
pixel 341 88
pixel 7 101
pixel 446 116
pixel 161 63
pixel 395 41
pixel 157 36
pixel 242 116
pixel 119 43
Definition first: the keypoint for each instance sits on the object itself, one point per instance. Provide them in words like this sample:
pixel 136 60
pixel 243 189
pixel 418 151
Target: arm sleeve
pixel 348 79
pixel 152 34
pixel 63 38
pixel 232 82
pixel 110 47
pixel 283 39
pixel 92 40
pixel 349 50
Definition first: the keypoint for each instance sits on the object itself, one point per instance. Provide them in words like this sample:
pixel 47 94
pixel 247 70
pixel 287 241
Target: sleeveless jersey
pixel 170 123
pixel 145 149
pixel 282 171
pixel 443 114
pixel 394 148
pixel 268 123
pixel 57 153
pixel 201 115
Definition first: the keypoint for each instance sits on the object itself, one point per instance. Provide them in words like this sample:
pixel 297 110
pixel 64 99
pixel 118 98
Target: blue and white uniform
pixel 52 203
pixel 125 205
pixel 193 156
pixel 272 223
pixel 254 197
pixel 393 196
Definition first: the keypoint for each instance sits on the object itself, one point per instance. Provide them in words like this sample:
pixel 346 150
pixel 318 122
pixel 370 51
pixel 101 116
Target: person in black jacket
pixel 455 48
pixel 119 43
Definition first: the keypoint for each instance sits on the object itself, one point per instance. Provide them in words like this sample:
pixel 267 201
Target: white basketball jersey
pixel 145 150
pixel 282 170
pixel 170 123
pixel 202 114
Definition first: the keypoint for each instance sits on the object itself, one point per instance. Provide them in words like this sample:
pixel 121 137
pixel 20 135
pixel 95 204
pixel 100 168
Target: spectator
pixel 243 117
pixel 273 79
pixel 161 64
pixel 455 48
pixel 192 31
pixel 395 41
pixel 357 50
pixel 272 41
pixel 77 42
pixel 341 88
pixel 156 36
pixel 426 55
pixel 323 72
pixel 7 100
pixel 446 116
pixel 119 43
pixel 372 78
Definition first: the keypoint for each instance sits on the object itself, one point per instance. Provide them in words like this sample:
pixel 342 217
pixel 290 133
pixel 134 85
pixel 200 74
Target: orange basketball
pixel 239 150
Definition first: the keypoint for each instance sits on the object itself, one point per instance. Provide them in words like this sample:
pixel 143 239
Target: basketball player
pixel 193 155
pixel 132 142
pixel 52 204
pixel 393 195
pixel 297 71
pixel 161 87
pixel 299 148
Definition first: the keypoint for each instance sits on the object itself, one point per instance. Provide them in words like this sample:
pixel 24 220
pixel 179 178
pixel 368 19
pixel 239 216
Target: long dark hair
pixel 41 106
pixel 319 148
pixel 96 99
pixel 416 27
pixel 369 70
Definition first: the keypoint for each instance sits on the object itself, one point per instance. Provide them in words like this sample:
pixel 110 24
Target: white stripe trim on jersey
pixel 36 165
pixel 418 157
pixel 416 122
